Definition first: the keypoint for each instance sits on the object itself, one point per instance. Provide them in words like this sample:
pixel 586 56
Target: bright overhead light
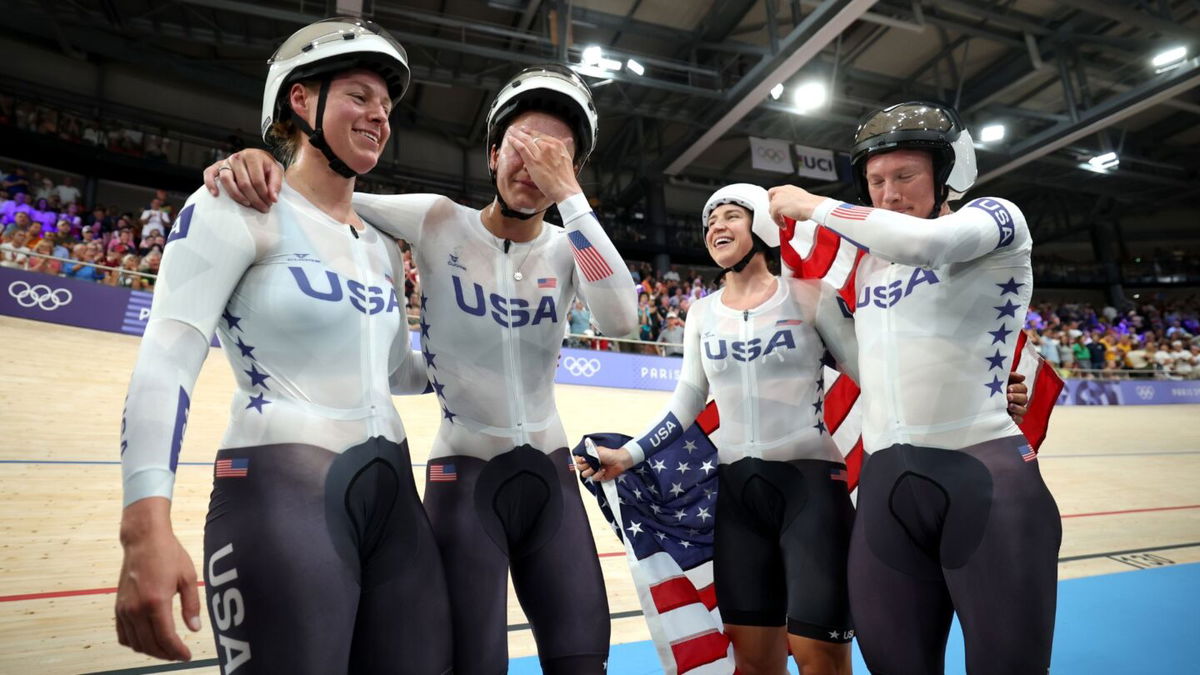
pixel 1169 56
pixel 991 133
pixel 611 64
pixel 635 67
pixel 777 91
pixel 592 55
pixel 1103 163
pixel 809 96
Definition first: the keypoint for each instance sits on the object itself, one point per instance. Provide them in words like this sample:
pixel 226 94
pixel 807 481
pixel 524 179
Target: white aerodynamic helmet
pixel 752 198
pixel 918 125
pixel 321 50
pixel 550 88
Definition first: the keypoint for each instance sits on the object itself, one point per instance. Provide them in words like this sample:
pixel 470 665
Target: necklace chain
pixel 517 275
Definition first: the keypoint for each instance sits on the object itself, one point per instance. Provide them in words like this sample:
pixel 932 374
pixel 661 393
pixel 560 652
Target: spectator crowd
pixel 1157 339
pixel 47 229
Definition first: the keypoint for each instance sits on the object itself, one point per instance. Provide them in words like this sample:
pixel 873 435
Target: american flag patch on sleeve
pixel 590 261
pixel 851 212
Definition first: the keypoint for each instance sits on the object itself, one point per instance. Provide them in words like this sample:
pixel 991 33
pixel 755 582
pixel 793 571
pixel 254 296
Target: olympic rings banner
pixel 30 295
pixel 41 297
pixel 1129 392
pixel 613 369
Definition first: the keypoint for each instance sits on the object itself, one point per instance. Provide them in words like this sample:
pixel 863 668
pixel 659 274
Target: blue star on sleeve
pixel 257 379
pixel 246 349
pixel 1000 335
pixel 429 357
pixel 1009 308
pixel 995 385
pixel 995 360
pixel 1010 287
pixel 231 320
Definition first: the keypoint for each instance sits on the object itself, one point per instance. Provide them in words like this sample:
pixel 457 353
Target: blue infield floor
pixel 1143 621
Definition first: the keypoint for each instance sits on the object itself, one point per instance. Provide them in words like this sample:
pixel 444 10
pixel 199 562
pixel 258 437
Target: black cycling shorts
pixel 519 512
pixel 973 531
pixel 323 563
pixel 782 534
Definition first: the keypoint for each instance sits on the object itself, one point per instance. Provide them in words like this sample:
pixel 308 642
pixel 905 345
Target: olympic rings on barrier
pixel 581 367
pixel 39 295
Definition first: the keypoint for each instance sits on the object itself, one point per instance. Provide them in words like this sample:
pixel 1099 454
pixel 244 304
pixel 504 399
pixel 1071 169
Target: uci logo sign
pixel 824 164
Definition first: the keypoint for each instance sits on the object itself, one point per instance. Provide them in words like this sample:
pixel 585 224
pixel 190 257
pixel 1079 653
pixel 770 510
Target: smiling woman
pixel 757 345
pixel 315 528
pixel 348 94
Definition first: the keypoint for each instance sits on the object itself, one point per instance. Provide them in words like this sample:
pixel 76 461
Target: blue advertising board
pixel 41 297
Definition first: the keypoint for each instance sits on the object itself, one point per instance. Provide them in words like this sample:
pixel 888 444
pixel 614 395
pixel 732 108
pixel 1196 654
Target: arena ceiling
pixel 1069 79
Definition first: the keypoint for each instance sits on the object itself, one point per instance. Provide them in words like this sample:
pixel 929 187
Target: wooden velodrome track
pixel 1127 481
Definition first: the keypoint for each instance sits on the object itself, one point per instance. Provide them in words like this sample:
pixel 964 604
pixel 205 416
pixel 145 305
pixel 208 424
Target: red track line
pixel 1114 513
pixel 103 591
pixel 65 594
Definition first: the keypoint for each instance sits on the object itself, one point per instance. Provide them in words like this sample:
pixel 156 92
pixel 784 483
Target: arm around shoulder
pixel 404 216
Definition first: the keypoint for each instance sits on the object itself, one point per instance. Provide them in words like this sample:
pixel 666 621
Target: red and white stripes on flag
pixel 232 468
pixel 590 261
pixel 1045 385
pixel 679 605
pixel 810 251
pixel 851 212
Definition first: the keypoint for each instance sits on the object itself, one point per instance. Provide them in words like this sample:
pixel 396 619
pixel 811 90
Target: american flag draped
pixel 663 508
pixel 663 511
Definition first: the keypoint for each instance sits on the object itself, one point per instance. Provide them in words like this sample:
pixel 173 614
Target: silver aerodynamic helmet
pixel 918 125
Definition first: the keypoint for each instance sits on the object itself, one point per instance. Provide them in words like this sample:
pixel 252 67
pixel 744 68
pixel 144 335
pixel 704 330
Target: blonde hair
pixel 284 140
pixel 283 136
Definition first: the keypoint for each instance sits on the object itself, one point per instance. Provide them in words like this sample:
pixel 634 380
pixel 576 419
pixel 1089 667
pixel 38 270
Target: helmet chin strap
pixel 940 195
pixel 317 136
pixel 758 245
pixel 509 212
